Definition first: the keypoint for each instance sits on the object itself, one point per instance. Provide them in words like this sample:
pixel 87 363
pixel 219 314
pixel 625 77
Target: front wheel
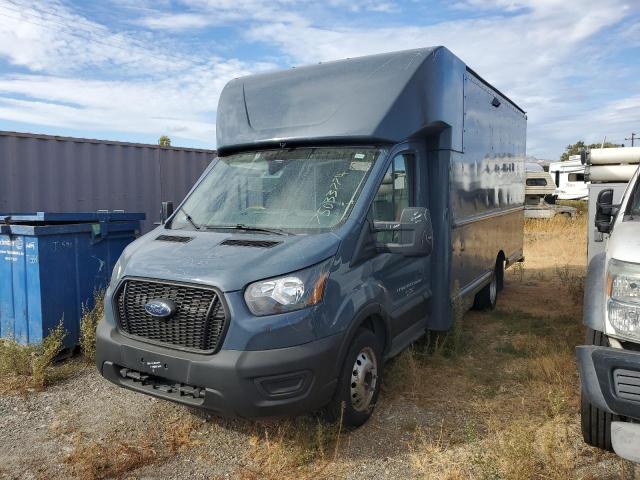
pixel 596 423
pixel 359 382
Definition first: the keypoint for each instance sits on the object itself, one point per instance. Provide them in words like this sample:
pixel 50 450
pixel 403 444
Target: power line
pixel 43 15
pixel 632 138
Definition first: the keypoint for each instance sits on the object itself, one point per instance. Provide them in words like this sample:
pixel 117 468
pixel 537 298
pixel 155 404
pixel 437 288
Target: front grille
pixel 198 323
pixel 627 384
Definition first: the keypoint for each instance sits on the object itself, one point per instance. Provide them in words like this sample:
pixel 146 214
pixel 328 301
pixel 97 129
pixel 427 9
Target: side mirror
pixel 412 236
pixel 166 211
pixel 604 211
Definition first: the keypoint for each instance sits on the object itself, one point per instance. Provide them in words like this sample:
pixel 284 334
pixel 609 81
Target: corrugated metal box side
pixel 62 174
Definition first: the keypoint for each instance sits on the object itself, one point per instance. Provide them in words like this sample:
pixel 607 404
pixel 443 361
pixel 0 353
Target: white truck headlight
pixel 289 292
pixel 623 298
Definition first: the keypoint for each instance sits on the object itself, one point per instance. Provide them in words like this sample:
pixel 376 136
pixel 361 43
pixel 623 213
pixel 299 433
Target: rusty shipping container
pixel 64 174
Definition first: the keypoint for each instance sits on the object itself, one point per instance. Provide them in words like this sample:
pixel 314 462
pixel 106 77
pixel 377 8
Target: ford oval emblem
pixel 160 308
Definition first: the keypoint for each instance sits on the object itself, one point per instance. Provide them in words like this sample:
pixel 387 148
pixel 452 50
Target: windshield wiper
pixel 248 228
pixel 190 219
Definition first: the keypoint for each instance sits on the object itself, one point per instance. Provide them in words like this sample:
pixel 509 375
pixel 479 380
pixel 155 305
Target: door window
pixel 536 182
pixel 576 177
pixel 396 193
pixel 397 190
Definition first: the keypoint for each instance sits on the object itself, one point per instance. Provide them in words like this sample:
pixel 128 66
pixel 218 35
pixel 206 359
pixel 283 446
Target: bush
pixel 24 367
pixel 88 324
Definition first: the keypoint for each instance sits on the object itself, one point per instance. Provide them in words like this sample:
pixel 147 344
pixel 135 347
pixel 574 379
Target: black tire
pixel 486 298
pixel 352 411
pixel 595 423
pixel 500 273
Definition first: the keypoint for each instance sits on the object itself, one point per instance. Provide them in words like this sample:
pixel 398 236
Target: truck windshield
pixel 634 201
pixel 302 190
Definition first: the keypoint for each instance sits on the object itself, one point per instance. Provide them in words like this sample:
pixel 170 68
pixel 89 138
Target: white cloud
pixel 49 37
pixel 87 75
pixel 531 55
pixel 614 120
pixel 175 21
pixel 184 103
pixel 205 13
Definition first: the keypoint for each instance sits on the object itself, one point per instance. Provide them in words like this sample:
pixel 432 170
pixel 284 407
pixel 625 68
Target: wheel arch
pixel 373 317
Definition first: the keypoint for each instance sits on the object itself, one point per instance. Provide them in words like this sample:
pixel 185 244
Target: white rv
pixel 569 178
pixel 539 188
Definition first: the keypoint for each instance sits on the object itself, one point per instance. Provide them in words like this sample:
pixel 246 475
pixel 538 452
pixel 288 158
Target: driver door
pixel 405 280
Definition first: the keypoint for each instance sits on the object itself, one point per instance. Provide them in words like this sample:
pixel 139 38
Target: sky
pixel 133 70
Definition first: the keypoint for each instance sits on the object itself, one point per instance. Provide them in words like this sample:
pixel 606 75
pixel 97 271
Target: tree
pixel 164 141
pixel 579 146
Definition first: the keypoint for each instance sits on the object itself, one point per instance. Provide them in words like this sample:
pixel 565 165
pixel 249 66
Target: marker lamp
pixel 286 293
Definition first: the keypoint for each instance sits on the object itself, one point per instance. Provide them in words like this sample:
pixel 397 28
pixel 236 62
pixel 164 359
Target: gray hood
pixel 205 260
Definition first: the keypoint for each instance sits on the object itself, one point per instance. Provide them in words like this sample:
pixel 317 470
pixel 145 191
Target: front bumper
pixel 610 379
pixel 258 383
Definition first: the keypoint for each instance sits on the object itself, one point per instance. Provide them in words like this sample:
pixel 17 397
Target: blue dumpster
pixel 52 263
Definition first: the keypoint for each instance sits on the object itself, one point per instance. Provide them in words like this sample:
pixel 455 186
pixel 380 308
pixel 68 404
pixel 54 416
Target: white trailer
pixel 569 178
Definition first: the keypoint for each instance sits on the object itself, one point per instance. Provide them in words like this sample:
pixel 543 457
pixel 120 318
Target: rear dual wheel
pixel 487 297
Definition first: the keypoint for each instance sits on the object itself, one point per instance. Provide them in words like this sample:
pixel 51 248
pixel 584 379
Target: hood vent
pixel 174 238
pixel 232 242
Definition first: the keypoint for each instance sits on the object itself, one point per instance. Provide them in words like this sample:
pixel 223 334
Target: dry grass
pixel 277 449
pixel 454 342
pixel 88 324
pixel 25 368
pixel 500 393
pixel 110 458
pixel 572 281
pixel 117 455
pixel 30 367
pixel 287 448
pixel 506 385
pixel 527 404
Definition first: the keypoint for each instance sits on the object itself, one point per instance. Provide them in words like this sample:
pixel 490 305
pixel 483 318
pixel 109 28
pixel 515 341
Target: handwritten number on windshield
pixel 329 203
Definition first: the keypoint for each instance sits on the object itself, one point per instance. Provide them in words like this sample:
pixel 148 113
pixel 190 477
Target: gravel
pixel 41 429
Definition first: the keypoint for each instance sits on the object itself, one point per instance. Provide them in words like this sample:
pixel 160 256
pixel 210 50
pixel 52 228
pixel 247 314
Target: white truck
pixel 609 362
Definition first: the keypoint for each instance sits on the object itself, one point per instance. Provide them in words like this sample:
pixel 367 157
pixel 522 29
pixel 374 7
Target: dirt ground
pixel 502 402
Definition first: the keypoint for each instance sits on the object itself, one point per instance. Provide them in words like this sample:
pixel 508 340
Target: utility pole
pixel 632 138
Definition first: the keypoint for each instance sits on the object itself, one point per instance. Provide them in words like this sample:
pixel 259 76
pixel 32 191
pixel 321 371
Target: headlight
pixel 289 292
pixel 623 298
pixel 116 275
